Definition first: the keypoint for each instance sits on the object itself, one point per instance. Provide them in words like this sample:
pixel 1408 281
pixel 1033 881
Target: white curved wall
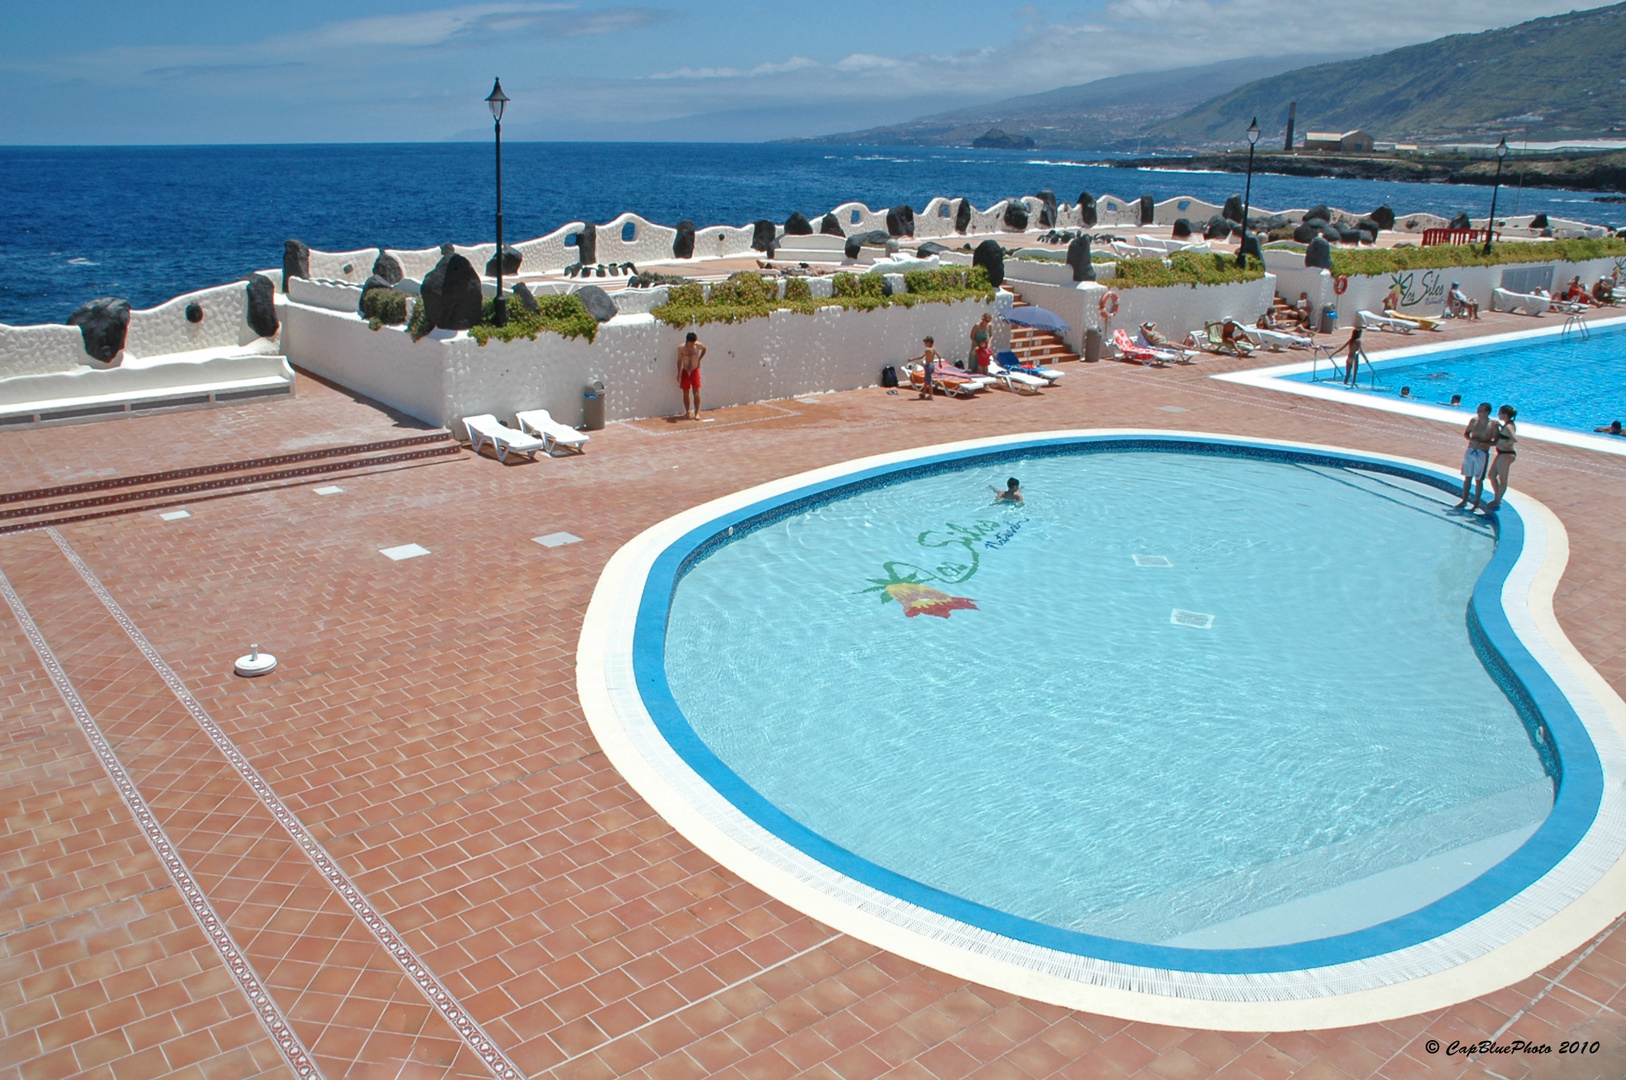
pixel 721 240
pixel 352 266
pixel 650 242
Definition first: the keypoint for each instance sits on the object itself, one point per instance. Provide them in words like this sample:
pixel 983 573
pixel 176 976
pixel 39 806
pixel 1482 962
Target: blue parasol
pixel 1036 317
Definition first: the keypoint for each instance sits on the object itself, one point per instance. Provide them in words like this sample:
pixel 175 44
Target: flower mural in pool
pixel 925 600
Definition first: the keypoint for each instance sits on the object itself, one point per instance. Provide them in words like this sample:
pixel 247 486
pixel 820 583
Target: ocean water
pixel 148 223
pixel 1167 693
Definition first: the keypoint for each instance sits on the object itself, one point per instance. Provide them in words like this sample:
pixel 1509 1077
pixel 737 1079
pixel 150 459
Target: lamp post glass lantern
pixel 497 102
pixel 1247 196
pixel 1490 224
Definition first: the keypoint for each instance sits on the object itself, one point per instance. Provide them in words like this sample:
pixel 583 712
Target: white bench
pixel 92 394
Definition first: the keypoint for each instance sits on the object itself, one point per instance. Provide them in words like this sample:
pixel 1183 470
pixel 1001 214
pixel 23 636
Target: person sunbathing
pixel 1460 306
pixel 1575 294
pixel 1152 339
pixel 1603 292
pixel 1302 310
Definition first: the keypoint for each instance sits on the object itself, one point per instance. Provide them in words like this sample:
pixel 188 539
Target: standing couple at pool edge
pixel 1484 435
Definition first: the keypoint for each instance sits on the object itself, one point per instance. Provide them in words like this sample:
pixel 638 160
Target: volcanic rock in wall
pixel 1384 216
pixel 1461 221
pixel 296 261
pixel 1016 216
pixel 1319 254
pixel 1306 231
pixel 1539 222
pixel 587 245
pixel 683 242
pixel 1182 228
pixel 900 221
pixel 511 258
pixel 1369 225
pixel 262 305
pixel 597 301
pixel 928 249
pixel 798 225
pixel 1047 213
pixel 1086 209
pixel 962 216
pixel 373 282
pixel 387 268
pixel 522 293
pixel 764 236
pixel 1217 228
pixel 102 323
pixel 829 226
pixel 858 240
pixel 1250 246
pixel 451 298
pixel 1078 257
pixel 1232 210
pixel 448 249
pixel 1147 209
pixel 1319 213
pixel 991 257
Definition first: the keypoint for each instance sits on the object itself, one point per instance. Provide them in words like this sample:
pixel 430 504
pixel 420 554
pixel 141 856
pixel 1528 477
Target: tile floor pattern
pixel 423 728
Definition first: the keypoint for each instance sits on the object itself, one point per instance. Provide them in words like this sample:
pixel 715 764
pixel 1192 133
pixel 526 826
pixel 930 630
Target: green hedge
pixel 384 307
pixel 562 314
pixel 1191 268
pixel 1379 261
pixel 747 295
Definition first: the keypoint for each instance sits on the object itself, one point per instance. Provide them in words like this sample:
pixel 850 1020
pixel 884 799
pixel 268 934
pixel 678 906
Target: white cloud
pixel 867 62
pixel 795 63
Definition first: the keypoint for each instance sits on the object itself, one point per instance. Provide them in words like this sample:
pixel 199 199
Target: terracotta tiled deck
pixel 423 739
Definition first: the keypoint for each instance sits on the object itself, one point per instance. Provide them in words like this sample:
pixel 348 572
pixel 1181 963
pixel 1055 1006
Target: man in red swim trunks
pixel 689 357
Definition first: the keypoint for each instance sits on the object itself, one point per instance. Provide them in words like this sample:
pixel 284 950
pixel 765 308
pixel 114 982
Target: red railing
pixel 1452 236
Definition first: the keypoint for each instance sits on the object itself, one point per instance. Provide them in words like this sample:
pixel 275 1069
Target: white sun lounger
pixel 1371 320
pixel 1533 303
pixel 1017 382
pixel 1276 339
pixel 538 422
pixel 486 428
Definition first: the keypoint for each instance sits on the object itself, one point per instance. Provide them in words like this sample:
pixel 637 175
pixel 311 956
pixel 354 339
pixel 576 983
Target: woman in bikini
pixel 1507 448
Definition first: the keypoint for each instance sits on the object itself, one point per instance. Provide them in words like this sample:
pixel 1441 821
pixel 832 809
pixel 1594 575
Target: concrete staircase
pixel 155 491
pixel 1041 348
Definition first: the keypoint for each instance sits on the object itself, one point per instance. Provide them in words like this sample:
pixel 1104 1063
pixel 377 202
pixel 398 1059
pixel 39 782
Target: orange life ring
pixel 1340 283
pixel 1109 303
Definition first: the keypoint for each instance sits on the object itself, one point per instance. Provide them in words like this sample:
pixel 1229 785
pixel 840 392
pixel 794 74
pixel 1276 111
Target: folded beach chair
pixel 486 428
pixel 1532 303
pixel 1011 362
pixel 550 431
pixel 949 380
pixel 1276 340
pixel 1014 379
pixel 1371 320
pixel 1422 322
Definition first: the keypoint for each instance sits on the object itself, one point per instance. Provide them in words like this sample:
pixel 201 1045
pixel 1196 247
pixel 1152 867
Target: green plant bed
pixel 1392 260
pixel 384 307
pixel 561 314
pixel 750 296
pixel 1191 268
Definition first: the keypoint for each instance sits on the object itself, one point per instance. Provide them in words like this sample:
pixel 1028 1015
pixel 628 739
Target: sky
pixel 101 72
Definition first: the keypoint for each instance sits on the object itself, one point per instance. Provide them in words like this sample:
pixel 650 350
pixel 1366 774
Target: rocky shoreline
pixel 1604 172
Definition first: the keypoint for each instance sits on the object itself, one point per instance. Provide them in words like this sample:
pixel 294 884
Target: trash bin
pixel 1092 345
pixel 1329 320
pixel 593 406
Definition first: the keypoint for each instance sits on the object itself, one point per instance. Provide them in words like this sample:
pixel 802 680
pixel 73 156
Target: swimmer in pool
pixel 1613 428
pixel 1012 492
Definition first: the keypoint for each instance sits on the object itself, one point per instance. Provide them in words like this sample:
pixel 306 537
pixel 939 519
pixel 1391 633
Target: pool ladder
pixel 1575 321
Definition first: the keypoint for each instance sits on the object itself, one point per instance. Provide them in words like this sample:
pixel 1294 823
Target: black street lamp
pixel 497 100
pixel 1490 226
pixel 1247 196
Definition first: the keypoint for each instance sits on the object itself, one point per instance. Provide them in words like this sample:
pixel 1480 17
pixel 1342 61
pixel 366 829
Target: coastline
pixel 1604 173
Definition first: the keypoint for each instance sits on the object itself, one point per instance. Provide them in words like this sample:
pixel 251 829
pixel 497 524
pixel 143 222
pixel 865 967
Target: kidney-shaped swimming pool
pixel 1223 711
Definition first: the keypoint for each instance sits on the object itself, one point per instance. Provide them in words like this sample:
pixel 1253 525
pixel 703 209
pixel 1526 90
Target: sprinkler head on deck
pixel 255 663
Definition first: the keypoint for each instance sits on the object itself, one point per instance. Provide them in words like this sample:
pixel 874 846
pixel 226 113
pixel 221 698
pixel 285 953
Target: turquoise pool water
pixel 1573 383
pixel 1199 700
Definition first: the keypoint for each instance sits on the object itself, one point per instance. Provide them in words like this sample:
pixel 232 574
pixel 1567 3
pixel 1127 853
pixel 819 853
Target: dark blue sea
pixel 148 223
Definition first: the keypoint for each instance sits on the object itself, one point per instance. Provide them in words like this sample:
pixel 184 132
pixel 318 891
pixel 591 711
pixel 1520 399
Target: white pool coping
pixel 1575 900
pixel 1276 378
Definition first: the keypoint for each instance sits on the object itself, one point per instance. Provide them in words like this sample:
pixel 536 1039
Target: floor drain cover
pixel 1181 617
pixel 1152 560
pixel 559 539
pixel 405 551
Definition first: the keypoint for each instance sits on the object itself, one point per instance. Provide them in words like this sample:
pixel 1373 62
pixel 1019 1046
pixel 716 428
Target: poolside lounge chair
pixel 1015 380
pixel 1371 320
pixel 1214 333
pixel 1422 322
pixel 1533 303
pixel 1276 340
pixel 949 380
pixel 486 428
pixel 1011 362
pixel 1138 354
pixel 550 431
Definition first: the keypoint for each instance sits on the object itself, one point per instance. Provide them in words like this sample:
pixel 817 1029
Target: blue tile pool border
pixel 1554 727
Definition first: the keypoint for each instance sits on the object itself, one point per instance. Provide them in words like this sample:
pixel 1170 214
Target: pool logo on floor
pixel 905 581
